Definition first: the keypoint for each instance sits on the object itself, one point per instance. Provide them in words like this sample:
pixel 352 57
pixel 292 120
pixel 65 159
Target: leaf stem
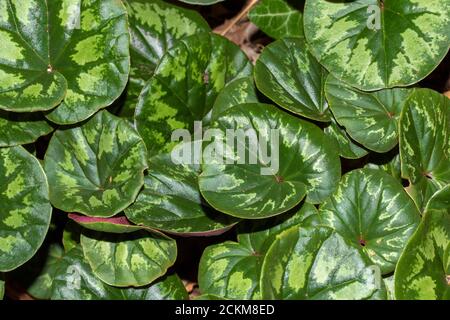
pixel 248 6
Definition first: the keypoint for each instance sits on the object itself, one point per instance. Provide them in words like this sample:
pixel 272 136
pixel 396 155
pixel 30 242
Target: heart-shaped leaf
pixel 74 280
pixel 289 75
pixel 239 91
pixel 423 271
pixel 369 118
pixel 97 168
pixel 371 210
pixel 373 44
pixel 154 26
pixel 302 161
pixel 36 275
pixel 232 270
pixel 21 128
pixel 118 224
pixel 347 147
pixel 277 18
pixel 318 264
pixel 171 200
pixel 131 259
pixel 184 87
pixel 425 143
pixel 25 209
pixel 70 51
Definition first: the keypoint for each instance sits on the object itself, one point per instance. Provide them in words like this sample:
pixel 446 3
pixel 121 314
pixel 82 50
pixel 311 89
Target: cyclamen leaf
pixel 425 144
pixel 318 264
pixel 26 210
pixel 171 200
pixel 369 118
pixel 71 235
pixel 288 74
pixel 74 52
pixel 36 276
pixel 424 267
pixel 2 286
pixel 277 19
pixel 75 280
pixel 347 147
pixel 118 224
pixel 21 128
pixel 154 26
pixel 239 91
pixel 371 210
pixel 387 163
pixel 440 200
pixel 375 45
pixel 185 86
pixel 133 259
pixel 306 163
pixel 232 270
pixel 97 168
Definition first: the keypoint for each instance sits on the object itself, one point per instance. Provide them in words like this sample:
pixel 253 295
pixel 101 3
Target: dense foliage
pixel 93 205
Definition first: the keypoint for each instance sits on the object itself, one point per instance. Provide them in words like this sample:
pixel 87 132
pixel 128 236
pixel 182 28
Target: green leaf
pixel 118 224
pixel 184 87
pixel 232 270
pixel 132 259
pixel 289 75
pixel 70 52
pixel 75 280
pixel 21 128
pixel 424 267
pixel 347 147
pixel 37 275
pixel 239 91
pixel 390 287
pixel 171 200
pixel 277 19
pixel 209 297
pixel 371 210
pixel 302 161
pixel 440 200
pixel 387 162
pixel 154 26
pixel 96 169
pixel 26 210
pixel 318 264
pixel 71 235
pixel 369 118
pixel 2 286
pixel 425 144
pixel 409 41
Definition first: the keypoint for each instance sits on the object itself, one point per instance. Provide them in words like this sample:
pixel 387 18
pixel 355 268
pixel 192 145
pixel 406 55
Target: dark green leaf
pixel 96 169
pixel 289 75
pixel 373 44
pixel 26 211
pixel 371 210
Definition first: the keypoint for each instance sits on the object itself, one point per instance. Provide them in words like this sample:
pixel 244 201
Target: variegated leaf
pixel 73 52
pixel 21 128
pixel 154 26
pixel 237 92
pixel 232 270
pixel 289 75
pixel 318 264
pixel 97 168
pixel 74 280
pixel 423 271
pixel 185 86
pixel 425 144
pixel 372 44
pixel 371 210
pixel 347 147
pixel 277 18
pixel 369 118
pixel 242 180
pixel 130 259
pixel 387 162
pixel 171 199
pixel 71 235
pixel 25 208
